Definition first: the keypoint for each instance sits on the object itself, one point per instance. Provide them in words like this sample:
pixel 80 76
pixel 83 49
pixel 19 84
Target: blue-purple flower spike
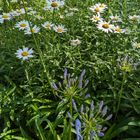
pixel 78 130
pixel 101 105
pixel 65 74
pixel 54 86
pixel 108 117
pixel 81 79
pixel 100 134
pixel 74 105
pixel 104 111
pixel 92 134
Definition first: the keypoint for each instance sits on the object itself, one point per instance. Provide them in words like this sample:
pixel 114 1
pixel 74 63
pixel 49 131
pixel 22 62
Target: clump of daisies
pixel 103 25
pixel 24 53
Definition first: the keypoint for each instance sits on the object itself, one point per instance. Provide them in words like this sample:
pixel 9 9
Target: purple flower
pixel 74 105
pixel 101 105
pixel 78 130
pixel 81 79
pixel 65 74
pixel 92 134
pixel 54 86
pixel 100 134
pixel 82 108
pixel 104 111
pixel 108 117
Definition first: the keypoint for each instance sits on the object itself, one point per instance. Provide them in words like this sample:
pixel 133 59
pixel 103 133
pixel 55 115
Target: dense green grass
pixel 39 101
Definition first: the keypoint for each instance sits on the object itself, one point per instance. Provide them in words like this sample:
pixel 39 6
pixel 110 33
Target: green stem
pixel 70 119
pixel 120 93
pixel 125 9
pixel 37 47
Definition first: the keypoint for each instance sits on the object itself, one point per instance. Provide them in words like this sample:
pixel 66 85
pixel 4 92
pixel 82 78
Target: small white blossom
pixel 75 42
pixel 105 26
pixel 22 25
pixel 59 29
pixel 54 4
pixel 47 25
pixel 24 53
pixel 32 30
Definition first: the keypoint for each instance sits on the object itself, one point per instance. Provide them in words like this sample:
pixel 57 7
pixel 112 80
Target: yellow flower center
pixel 118 30
pixel 54 4
pixel 96 18
pixel 32 30
pixel 105 25
pixel 97 9
pixel 48 26
pixel 5 16
pixel 24 54
pixel 23 25
pixel 59 30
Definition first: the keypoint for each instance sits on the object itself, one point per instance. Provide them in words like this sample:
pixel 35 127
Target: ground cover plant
pixel 69 70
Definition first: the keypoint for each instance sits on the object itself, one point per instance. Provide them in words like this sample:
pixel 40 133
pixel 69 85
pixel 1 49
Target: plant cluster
pixel 44 45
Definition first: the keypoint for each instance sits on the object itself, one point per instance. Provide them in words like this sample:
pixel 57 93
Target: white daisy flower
pixel 117 29
pixel 47 25
pixel 5 16
pixel 134 18
pixel 115 18
pixel 33 30
pixel 105 26
pixel 136 45
pixel 54 4
pixel 75 42
pixel 22 25
pixel 59 29
pixel 24 53
pixel 98 8
pixel 20 11
pixel 96 18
